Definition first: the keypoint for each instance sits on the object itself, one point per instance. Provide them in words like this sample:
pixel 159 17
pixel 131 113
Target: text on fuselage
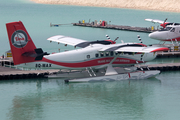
pixel 43 65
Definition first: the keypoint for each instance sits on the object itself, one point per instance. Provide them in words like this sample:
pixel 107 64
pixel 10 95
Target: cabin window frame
pixel 97 55
pixel 102 54
pixel 88 56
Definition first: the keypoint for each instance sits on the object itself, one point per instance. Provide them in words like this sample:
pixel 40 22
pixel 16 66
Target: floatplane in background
pixel 95 61
pixel 170 32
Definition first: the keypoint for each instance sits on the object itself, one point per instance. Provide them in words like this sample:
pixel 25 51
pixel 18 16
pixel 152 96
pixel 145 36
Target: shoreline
pixel 155 5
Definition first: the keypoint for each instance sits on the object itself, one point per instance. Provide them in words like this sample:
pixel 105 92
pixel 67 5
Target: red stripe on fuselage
pixel 94 62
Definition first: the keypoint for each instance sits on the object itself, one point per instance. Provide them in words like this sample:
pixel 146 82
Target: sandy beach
pixel 157 5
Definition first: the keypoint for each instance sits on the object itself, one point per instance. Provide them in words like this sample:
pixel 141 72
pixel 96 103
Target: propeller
pixel 165 20
pixel 139 39
pixel 116 39
pixel 108 37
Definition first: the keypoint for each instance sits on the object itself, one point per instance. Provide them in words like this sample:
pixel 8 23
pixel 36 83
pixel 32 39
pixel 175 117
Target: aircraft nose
pixel 153 35
pixel 156 35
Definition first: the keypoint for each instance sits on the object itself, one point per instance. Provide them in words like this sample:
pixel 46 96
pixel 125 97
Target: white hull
pixel 125 76
pixel 84 74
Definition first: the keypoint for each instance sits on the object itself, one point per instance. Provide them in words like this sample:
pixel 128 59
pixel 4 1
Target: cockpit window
pixel 166 29
pixel 173 30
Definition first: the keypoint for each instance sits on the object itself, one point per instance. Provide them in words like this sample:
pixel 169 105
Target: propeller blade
pixel 116 39
pixel 165 20
pixel 139 39
pixel 108 37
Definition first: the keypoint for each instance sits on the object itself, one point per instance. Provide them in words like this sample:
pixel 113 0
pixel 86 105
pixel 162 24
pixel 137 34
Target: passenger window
pixel 88 56
pixel 97 55
pixel 112 53
pixel 102 54
pixel 116 53
pixel 107 53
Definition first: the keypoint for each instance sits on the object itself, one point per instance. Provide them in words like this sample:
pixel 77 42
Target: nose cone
pixel 158 35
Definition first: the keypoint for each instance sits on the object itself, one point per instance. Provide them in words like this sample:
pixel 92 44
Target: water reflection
pixel 125 98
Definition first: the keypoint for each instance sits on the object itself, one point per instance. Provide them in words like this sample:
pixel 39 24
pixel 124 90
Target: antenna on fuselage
pixel 110 38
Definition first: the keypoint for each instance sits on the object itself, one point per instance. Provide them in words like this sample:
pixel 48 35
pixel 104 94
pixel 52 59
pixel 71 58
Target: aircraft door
pixel 172 33
pixel 88 56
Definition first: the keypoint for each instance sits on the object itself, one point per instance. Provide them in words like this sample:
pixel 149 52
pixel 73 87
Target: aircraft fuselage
pixel 88 57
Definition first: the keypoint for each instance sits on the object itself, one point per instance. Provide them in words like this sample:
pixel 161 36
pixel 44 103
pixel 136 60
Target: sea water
pixel 50 99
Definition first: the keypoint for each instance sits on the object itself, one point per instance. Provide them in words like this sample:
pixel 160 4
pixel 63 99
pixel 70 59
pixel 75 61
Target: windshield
pixel 166 29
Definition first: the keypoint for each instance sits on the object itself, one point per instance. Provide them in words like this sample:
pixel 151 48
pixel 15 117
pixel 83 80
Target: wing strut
pixel 110 70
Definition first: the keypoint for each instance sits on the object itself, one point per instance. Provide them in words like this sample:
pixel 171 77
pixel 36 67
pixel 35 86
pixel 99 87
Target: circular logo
pixel 19 39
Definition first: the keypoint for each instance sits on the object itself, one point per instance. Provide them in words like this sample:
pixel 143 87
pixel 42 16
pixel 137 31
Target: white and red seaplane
pixel 170 31
pixel 96 60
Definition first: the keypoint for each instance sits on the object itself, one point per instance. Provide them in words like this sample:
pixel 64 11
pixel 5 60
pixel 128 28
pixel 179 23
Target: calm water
pixel 50 99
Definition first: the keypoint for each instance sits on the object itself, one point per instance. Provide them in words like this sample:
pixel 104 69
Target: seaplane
pixel 100 60
pixel 161 22
pixel 169 33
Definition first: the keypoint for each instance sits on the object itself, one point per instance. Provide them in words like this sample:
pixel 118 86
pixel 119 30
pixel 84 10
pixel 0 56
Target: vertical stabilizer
pixel 20 43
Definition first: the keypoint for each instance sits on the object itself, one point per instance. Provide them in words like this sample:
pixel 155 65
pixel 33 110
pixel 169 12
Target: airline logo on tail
pixel 19 39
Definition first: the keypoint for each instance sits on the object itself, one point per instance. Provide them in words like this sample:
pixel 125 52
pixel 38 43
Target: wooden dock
pixel 161 67
pixel 116 27
pixel 174 54
pixel 7 73
pixel 12 73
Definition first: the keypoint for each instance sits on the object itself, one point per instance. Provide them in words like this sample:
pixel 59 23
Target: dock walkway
pixel 7 73
pixel 12 73
pixel 116 27
pixel 174 54
pixel 161 67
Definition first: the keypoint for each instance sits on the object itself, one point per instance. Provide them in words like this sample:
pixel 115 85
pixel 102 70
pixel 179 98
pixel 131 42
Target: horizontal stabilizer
pixel 39 51
pixel 40 54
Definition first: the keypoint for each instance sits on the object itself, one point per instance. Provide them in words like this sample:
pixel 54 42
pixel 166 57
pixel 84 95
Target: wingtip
pixel 160 49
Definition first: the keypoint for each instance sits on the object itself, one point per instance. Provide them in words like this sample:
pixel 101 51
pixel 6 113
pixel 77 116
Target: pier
pixel 116 27
pixel 105 25
pixel 7 73
pixel 10 72
pixel 161 67
pixel 174 54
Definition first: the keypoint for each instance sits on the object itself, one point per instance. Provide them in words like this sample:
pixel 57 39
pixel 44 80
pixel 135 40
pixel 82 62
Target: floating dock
pixel 7 73
pixel 175 54
pixel 161 67
pixel 12 73
pixel 105 25
pixel 116 27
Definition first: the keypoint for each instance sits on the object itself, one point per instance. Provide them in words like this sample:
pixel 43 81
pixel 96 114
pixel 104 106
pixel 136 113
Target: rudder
pixel 20 43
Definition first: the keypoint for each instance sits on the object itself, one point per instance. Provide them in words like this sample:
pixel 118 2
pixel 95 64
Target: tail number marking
pixel 42 65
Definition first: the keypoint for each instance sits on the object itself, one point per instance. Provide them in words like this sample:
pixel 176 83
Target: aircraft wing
pixel 136 49
pixel 67 40
pixel 155 21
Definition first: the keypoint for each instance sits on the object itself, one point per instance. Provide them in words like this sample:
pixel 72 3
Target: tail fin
pixel 20 43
